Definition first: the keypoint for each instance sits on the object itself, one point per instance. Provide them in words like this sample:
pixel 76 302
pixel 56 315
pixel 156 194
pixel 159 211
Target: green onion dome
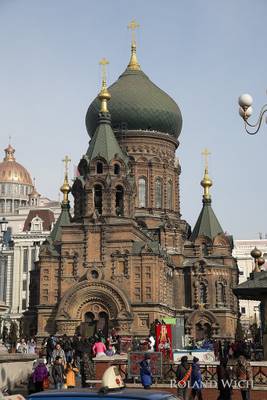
pixel 138 104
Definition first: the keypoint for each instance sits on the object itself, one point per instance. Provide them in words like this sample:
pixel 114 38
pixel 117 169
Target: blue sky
pixel 204 53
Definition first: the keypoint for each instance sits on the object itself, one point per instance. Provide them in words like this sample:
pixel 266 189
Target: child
pixel 70 375
pixel 110 352
pixel 58 373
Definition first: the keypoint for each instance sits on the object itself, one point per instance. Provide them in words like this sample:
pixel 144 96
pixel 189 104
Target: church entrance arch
pixel 93 322
pixel 89 306
pixel 201 325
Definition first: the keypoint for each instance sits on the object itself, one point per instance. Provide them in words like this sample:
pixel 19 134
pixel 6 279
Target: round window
pixel 94 274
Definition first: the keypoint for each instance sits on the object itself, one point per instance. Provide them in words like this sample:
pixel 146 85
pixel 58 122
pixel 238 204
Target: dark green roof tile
pixel 207 223
pixel 104 143
pixel 63 219
pixel 138 103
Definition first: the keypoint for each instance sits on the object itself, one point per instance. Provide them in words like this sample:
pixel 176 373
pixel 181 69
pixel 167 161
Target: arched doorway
pixel 88 326
pixel 202 324
pixel 93 322
pixel 92 306
pixel 102 323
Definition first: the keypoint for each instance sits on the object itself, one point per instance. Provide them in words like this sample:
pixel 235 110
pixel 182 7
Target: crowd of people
pixel 65 362
pixel 232 350
pixel 190 384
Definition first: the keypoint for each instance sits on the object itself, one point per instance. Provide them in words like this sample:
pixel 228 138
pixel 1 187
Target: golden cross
pixel 104 62
pixel 206 153
pixel 66 160
pixel 133 25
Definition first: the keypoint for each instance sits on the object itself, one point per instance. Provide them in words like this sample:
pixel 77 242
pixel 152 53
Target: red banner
pixel 164 340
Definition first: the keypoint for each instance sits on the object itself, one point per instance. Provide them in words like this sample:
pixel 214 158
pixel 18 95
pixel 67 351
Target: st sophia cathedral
pixel 126 257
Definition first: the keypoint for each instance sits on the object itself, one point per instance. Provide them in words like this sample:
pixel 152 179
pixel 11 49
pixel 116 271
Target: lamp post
pixel 245 102
pixel 3 226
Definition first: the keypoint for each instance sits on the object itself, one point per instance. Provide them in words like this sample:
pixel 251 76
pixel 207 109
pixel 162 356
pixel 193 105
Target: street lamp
pixel 3 226
pixel 245 111
pixel 3 223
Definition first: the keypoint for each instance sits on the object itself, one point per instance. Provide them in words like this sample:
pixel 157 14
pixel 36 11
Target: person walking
pixel 244 377
pixel 58 373
pixel 224 380
pixel 79 348
pixel 39 374
pixel 145 372
pixel 183 374
pixel 67 347
pixel 196 381
pixel 50 346
pixel 71 372
pixel 58 352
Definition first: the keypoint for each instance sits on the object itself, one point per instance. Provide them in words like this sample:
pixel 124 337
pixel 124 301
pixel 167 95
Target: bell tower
pixel 105 186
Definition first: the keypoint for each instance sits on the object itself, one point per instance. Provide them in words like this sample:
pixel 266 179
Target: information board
pixel 135 358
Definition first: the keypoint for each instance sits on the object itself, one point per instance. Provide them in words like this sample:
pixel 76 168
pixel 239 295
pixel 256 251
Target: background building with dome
pixel 16 184
pixel 126 257
pixel 30 219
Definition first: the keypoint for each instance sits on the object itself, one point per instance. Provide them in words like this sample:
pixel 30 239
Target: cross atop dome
pixel 65 188
pixel 104 95
pixel 206 182
pixel 133 25
pixel 133 64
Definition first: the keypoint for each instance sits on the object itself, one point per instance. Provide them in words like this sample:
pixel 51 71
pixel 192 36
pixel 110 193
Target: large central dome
pixel 138 104
pixel 13 172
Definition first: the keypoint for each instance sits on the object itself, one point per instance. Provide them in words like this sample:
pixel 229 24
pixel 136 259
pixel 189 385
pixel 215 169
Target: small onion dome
pixel 206 183
pixel 13 172
pixel 261 261
pixel 256 253
pixel 137 104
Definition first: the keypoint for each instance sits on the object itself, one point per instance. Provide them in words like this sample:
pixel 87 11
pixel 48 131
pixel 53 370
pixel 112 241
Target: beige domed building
pixel 16 184
pixel 30 219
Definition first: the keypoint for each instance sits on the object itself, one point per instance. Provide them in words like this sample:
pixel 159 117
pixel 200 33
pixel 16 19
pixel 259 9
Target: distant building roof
pixel 47 216
pixel 253 288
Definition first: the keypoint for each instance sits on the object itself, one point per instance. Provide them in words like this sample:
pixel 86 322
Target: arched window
pixel 142 192
pixel 89 318
pixel 36 224
pixel 169 196
pixel 117 169
pixel 220 293
pixel 158 190
pixel 99 168
pixel 202 293
pixel 119 201
pixel 98 198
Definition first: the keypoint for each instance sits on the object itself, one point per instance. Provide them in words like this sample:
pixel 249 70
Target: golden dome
pixel 13 172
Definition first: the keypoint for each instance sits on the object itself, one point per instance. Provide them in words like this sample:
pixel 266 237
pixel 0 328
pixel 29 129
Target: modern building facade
pixel 127 257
